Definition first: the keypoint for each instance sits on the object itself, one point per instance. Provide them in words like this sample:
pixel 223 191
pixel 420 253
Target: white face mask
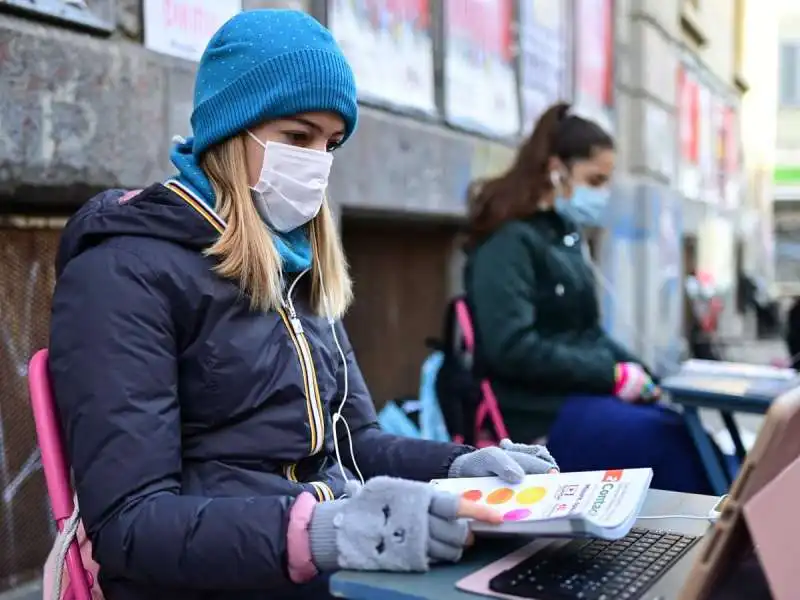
pixel 291 187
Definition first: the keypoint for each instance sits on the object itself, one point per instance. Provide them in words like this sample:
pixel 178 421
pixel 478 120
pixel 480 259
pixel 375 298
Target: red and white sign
pixel 480 81
pixel 709 119
pixel 688 109
pixel 183 28
pixel 594 59
pixel 731 140
pixel 689 132
pixel 730 166
pixel 718 117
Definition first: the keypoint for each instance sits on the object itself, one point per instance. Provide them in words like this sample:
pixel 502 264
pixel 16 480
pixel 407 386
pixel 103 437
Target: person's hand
pixel 467 509
pixel 537 450
pixel 393 525
pixel 511 462
pixel 633 384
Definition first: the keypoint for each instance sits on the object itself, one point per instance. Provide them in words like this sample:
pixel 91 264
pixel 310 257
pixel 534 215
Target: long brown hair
pixel 516 193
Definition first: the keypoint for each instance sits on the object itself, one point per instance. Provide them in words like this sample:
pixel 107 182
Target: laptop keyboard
pixel 595 569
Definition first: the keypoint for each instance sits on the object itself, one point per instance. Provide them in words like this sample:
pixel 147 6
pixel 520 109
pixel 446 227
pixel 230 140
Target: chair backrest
pixel 56 474
pixel 488 407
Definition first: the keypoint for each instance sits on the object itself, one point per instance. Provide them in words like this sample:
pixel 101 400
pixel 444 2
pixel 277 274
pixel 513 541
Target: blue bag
pixel 396 416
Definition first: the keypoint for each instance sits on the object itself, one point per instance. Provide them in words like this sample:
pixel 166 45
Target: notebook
pixel 599 504
pixel 749 371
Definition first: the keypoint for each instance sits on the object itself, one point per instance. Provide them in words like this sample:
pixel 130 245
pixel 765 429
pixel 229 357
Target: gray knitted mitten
pixel 387 525
pixel 511 462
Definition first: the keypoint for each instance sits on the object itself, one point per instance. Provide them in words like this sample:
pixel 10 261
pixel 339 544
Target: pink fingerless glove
pixel 632 382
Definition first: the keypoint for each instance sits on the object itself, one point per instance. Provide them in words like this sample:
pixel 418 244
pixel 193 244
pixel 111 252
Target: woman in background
pixel 532 295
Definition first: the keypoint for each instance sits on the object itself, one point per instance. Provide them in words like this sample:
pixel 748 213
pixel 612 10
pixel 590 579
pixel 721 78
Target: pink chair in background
pixel 75 577
pixel 488 408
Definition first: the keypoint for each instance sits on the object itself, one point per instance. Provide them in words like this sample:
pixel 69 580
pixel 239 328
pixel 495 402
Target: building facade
pixel 681 76
pixel 786 178
pixel 91 94
pixel 759 129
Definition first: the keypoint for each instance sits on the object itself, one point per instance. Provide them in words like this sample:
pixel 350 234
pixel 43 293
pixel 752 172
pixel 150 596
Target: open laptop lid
pixel 776 448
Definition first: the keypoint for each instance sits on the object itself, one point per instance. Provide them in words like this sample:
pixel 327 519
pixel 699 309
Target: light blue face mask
pixel 587 205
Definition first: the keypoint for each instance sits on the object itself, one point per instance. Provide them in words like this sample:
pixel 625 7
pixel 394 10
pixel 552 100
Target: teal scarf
pixel 294 247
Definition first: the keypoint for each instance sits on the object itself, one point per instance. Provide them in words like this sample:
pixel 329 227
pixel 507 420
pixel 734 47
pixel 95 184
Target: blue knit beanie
pixel 268 64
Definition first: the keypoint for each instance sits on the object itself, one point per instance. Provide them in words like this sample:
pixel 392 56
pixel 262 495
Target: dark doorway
pixel 401 280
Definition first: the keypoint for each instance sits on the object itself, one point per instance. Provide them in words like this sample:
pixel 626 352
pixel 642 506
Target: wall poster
pixel 390 47
pixel 594 60
pixel 544 34
pixel 480 84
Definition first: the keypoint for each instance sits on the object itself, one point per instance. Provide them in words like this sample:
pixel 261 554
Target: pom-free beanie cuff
pixel 303 80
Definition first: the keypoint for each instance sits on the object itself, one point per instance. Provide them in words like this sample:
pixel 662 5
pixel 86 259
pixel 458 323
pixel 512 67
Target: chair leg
pixel 733 430
pixel 702 441
pixel 492 408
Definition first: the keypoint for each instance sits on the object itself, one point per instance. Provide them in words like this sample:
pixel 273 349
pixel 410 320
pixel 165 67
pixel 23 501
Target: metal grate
pixel 26 285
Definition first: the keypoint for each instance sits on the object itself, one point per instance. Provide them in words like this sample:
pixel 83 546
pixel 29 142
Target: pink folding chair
pixel 488 408
pixel 70 574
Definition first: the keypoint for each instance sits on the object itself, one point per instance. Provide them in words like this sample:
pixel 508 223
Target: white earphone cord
pixel 654 517
pixel 337 416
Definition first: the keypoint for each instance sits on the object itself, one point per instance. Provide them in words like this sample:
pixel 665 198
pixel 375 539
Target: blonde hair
pixel 247 253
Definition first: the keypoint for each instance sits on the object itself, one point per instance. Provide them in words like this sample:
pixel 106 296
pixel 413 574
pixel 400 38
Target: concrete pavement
pixel 31 591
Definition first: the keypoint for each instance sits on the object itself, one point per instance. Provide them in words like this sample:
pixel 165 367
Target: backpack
pixel 466 401
pixel 418 417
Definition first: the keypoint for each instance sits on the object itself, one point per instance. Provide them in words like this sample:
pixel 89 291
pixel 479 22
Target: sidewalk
pixel 757 352
pixel 30 591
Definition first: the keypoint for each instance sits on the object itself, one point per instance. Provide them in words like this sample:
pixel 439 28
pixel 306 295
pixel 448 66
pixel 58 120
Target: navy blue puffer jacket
pixel 192 422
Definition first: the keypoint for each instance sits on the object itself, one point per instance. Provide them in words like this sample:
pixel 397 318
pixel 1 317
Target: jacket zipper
pixel 322 489
pixel 316 413
pixel 316 417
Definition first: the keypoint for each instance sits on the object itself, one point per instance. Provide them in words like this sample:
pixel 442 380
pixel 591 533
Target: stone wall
pixel 80 112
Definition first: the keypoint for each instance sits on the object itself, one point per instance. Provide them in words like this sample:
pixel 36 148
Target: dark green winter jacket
pixel 538 336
